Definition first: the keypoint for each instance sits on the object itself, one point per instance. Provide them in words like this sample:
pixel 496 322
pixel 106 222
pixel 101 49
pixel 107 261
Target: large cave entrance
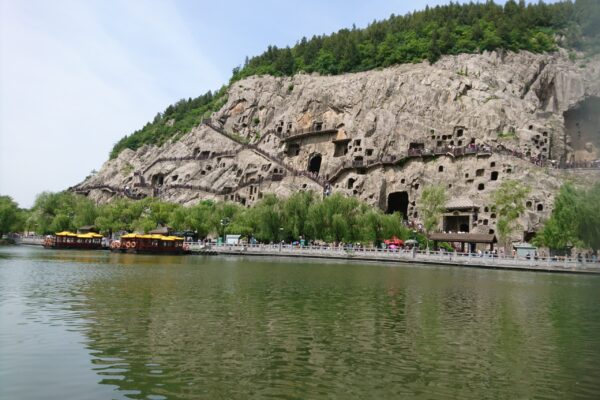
pixel 582 125
pixel 398 201
pixel 314 163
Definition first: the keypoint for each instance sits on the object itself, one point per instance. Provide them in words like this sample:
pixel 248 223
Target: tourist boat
pixel 150 244
pixel 74 241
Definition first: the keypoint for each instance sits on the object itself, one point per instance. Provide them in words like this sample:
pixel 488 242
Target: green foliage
pixel 53 212
pixel 303 215
pixel 432 205
pixel 10 215
pixel 433 32
pixel 509 203
pixel 575 219
pixel 174 122
pixel 507 135
pixel 127 169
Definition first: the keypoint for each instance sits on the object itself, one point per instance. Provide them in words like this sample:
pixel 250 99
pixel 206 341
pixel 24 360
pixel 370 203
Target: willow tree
pixel 561 230
pixel 431 206
pixel 509 203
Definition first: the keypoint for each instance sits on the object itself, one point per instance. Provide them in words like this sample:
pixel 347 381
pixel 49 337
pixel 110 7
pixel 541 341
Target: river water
pixel 96 325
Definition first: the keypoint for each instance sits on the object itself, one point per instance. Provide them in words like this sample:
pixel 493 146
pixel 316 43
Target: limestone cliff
pixel 467 121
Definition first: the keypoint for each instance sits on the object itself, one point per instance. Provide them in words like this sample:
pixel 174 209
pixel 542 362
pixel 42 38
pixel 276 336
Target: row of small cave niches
pixel 480 173
pixel 541 142
pixel 456 138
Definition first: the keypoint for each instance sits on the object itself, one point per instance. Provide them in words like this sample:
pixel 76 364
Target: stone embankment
pixel 568 265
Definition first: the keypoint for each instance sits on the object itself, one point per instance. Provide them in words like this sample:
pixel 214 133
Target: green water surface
pixel 96 325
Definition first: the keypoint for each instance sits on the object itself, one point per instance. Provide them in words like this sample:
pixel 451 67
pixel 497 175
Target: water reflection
pixel 193 327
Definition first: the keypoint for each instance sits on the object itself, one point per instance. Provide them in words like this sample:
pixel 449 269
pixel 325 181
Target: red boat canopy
pixel 394 241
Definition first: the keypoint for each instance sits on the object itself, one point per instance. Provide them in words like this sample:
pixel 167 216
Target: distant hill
pixel 418 36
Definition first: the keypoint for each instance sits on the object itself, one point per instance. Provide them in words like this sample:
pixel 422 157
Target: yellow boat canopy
pixel 155 237
pixel 90 235
pixel 66 233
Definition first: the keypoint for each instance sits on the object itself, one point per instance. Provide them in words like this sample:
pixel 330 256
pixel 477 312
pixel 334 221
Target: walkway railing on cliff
pixel 256 149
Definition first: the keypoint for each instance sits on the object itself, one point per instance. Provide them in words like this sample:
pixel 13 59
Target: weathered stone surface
pixel 515 101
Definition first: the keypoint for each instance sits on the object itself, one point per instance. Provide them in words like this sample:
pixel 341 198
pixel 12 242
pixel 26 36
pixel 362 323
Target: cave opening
pixel 582 125
pixel 314 164
pixel 398 201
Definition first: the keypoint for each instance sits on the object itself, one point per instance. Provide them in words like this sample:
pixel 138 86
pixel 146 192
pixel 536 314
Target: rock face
pixel 468 122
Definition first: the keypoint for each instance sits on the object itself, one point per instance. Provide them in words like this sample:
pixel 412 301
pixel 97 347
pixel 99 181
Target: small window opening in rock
pixel 481 186
pixel 485 221
pixel 530 127
pixel 493 164
pixel 528 204
pixel 318 126
pixel 493 215
pixel 459 133
pixel 203 172
pixel 508 170
pixel 441 168
pixel 472 141
pixel 494 176
pixel 208 168
pixel 440 143
pixel 540 207
pixel 544 149
pixel 432 131
pixel 449 186
pixel 369 152
pixel 433 137
pixel 402 180
pixel 459 143
pixel 466 175
pixel 491 231
pixel 486 209
pixel 416 214
pixel 279 129
pixel 444 137
pixel 351 183
pixel 545 134
pixel 174 178
pixel 357 142
pixel 452 143
pixel 479 172
pixel 416 186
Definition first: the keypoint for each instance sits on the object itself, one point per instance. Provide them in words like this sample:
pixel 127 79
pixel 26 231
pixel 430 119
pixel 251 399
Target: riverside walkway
pixel 568 265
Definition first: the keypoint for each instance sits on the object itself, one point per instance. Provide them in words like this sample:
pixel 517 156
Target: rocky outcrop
pixel 468 122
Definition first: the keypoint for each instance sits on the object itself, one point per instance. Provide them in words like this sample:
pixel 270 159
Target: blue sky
pixel 76 76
